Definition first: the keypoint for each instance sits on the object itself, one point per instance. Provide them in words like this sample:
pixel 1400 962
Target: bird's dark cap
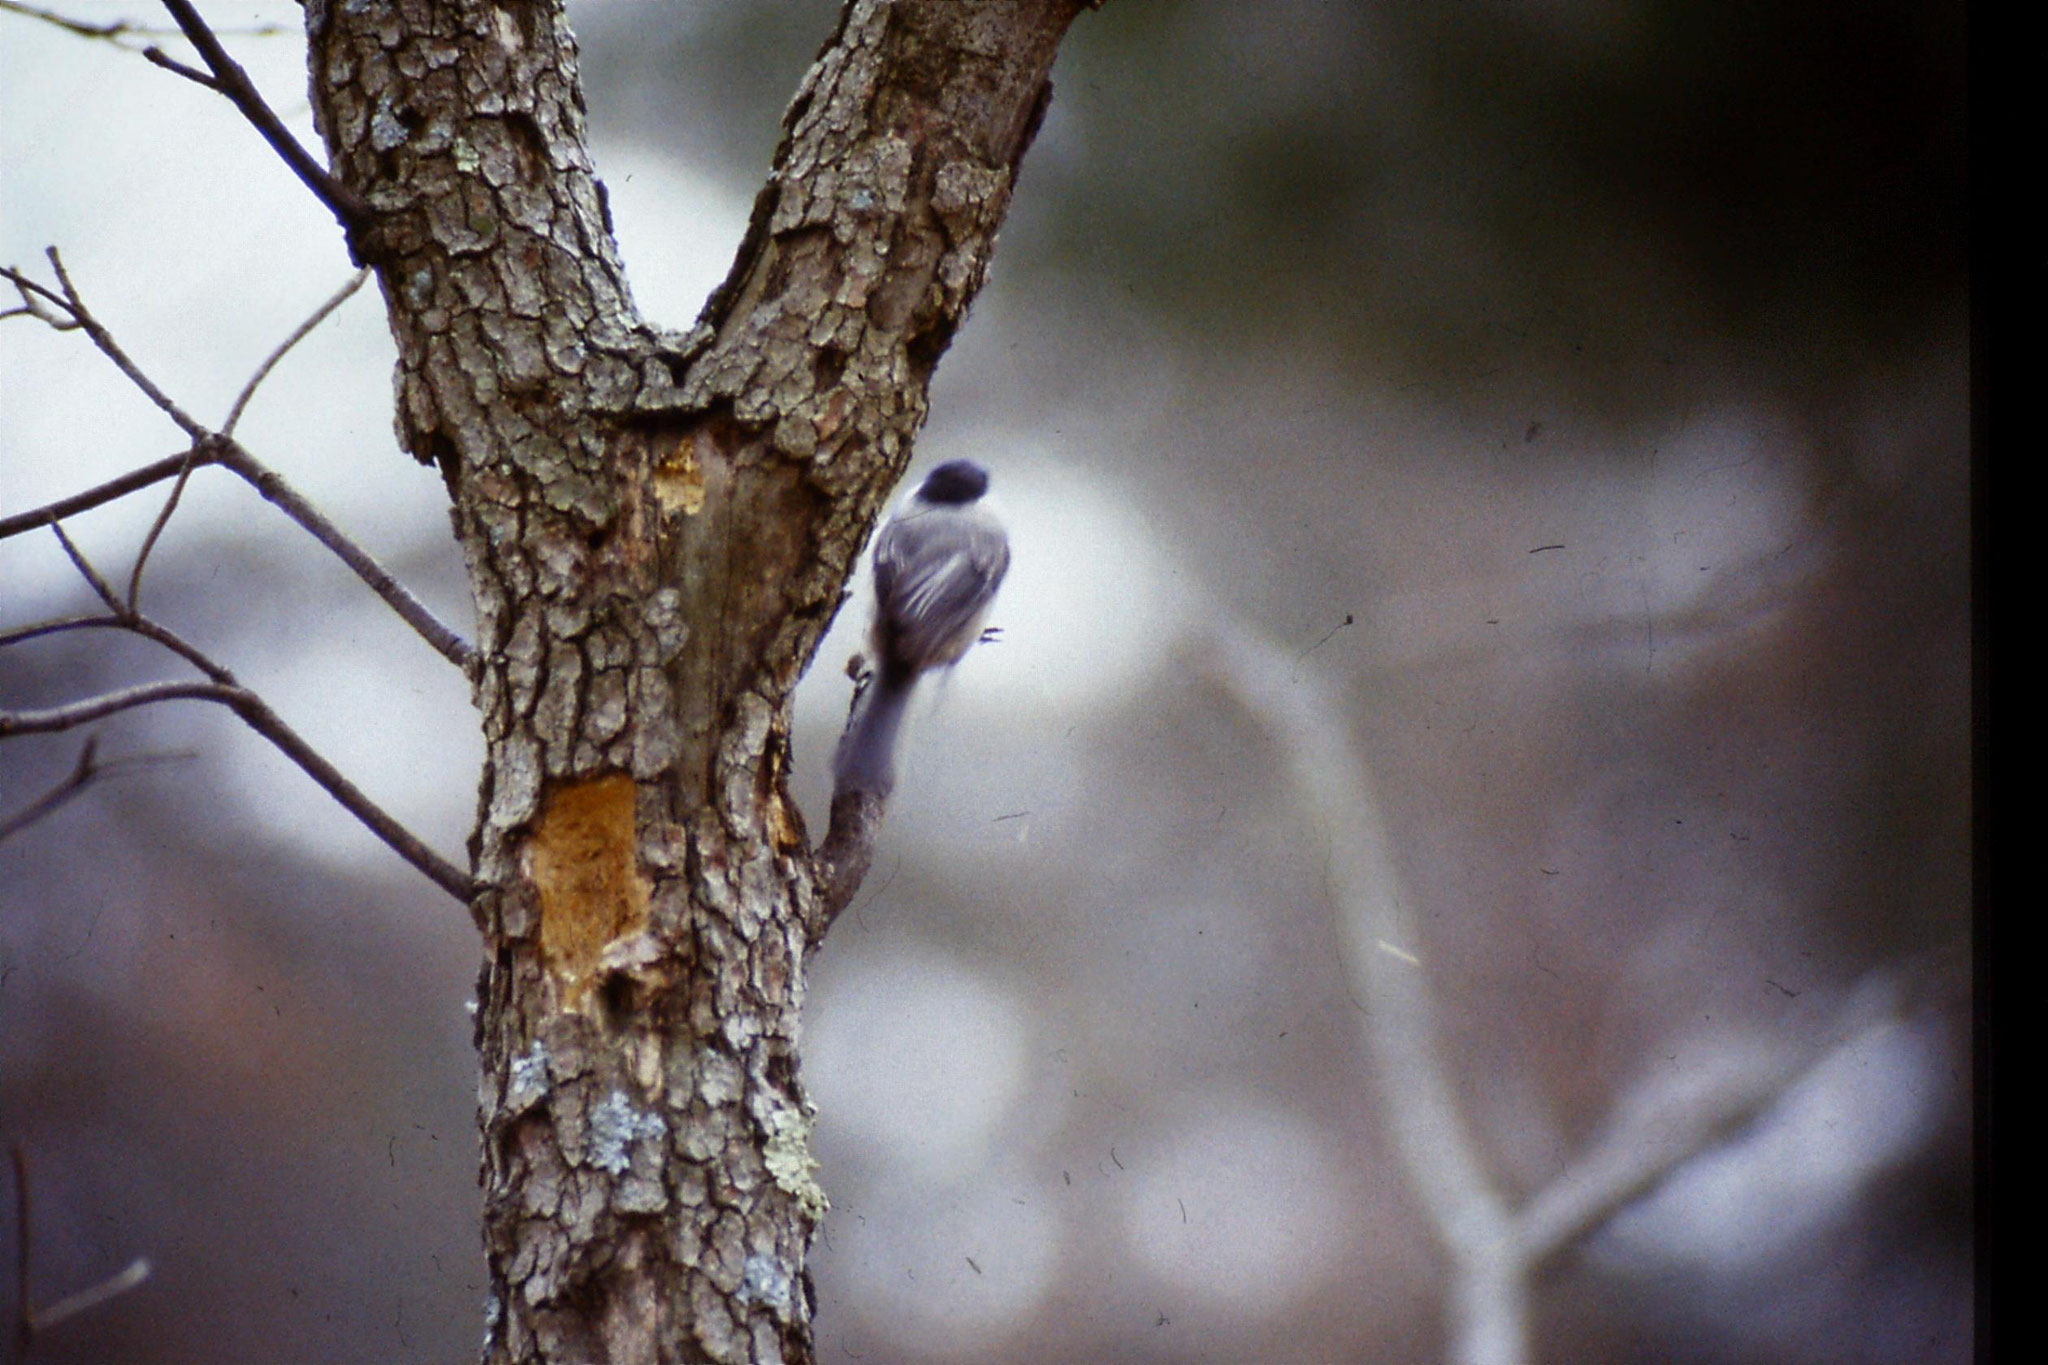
pixel 954 482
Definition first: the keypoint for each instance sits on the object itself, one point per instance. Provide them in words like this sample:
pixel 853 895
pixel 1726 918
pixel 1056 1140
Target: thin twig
pixel 88 572
pixel 55 626
pixel 156 528
pixel 115 1285
pixel 209 448
pixel 134 480
pixel 233 82
pixel 33 296
pixel 87 771
pixel 256 713
pixel 299 333
pixel 75 306
pixel 51 719
pixel 280 494
pixel 120 28
pixel 450 645
pixel 1379 942
pixel 156 56
pixel 222 687
pixel 30 1321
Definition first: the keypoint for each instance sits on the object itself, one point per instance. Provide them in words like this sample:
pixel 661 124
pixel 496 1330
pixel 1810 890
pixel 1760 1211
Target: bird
pixel 938 563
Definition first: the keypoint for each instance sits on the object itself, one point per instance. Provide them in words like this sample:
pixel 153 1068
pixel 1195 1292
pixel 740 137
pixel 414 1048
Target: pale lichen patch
pixel 583 862
pixel 787 1155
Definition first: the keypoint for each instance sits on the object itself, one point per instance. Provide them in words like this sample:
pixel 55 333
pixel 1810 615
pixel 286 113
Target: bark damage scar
pixel 583 862
pixel 679 479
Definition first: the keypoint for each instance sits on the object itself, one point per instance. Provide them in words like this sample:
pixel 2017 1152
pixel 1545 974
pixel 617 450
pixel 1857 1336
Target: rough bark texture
pixel 658 530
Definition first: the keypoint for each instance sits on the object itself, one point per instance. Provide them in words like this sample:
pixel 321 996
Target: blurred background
pixel 1577 389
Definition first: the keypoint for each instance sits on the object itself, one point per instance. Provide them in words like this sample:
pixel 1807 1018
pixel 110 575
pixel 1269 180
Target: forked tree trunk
pixel 658 529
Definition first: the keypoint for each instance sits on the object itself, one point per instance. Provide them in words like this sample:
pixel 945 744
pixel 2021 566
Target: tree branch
pixel 222 687
pixel 87 771
pixel 221 449
pixel 82 317
pixel 232 81
pixel 1667 1123
pixel 1380 943
pixel 166 468
pixel 299 334
pixel 256 713
pixel 842 860
pixel 30 1321
pixel 227 431
pixel 120 29
pixel 268 482
pixel 1496 1251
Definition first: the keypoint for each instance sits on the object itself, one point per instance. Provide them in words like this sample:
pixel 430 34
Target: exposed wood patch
pixel 583 862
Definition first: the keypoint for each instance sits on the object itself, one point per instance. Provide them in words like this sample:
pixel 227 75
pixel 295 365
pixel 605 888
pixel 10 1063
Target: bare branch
pixel 33 302
pixel 256 713
pixel 30 1321
pixel 299 333
pixel 52 719
pixel 84 1300
pixel 166 468
pixel 450 645
pixel 79 27
pixel 88 770
pixel 158 57
pixel 1380 944
pixel 1667 1123
pixel 847 853
pixel 156 528
pixel 222 687
pixel 87 571
pixel 842 861
pixel 83 317
pixel 57 626
pixel 209 448
pixel 272 486
pixel 121 29
pixel 1654 1133
pixel 232 81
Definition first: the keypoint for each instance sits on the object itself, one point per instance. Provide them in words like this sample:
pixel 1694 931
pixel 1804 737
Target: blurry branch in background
pixel 120 33
pixel 1670 1118
pixel 215 449
pixel 1495 1250
pixel 65 310
pixel 31 1321
pixel 89 769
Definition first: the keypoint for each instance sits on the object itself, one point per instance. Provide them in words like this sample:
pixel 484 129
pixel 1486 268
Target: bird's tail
pixel 866 760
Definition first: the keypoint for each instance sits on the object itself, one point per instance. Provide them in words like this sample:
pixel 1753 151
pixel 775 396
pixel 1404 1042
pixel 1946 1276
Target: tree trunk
pixel 658 530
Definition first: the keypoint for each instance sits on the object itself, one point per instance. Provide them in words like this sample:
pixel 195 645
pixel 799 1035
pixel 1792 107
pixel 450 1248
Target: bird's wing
pixel 934 576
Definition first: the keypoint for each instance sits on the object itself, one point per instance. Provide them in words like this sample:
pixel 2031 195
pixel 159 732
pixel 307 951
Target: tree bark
pixel 658 530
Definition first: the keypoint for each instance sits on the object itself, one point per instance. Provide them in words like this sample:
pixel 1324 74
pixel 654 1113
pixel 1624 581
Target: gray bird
pixel 938 563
